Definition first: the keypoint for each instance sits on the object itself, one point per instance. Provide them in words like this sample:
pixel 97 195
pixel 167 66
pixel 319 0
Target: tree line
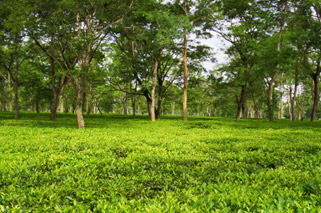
pixel 135 56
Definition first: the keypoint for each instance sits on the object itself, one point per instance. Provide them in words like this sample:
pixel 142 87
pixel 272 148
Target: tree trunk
pixel 239 112
pixel 37 106
pixel 293 104
pixel 134 106
pixel 61 105
pixel 160 99
pixel 316 93
pixel 56 91
pixel 173 108
pixel 16 99
pixel 54 105
pixel 79 104
pixel 100 112
pixel 16 88
pixel 281 108
pixel 55 98
pixel 243 111
pixel 289 101
pixel 159 108
pixel 293 97
pixel 4 97
pixel 66 107
pixel 153 103
pixel 125 110
pixel 83 69
pixel 241 102
pixel 10 92
pixel 88 108
pixel 270 102
pixel 148 102
pixel 185 113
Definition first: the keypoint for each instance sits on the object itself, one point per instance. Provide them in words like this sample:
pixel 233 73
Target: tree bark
pixel 185 112
pixel 56 91
pixel 148 102
pixel 241 102
pixel 281 108
pixel 81 85
pixel 16 88
pixel 173 108
pixel 61 105
pixel 10 92
pixel 125 110
pixel 4 96
pixel 16 100
pixel 316 92
pixel 134 106
pixel 159 108
pixel 37 106
pixel 80 100
pixel 54 105
pixel 153 103
pixel 293 96
pixel 160 99
pixel 270 101
pixel 289 101
pixel 133 97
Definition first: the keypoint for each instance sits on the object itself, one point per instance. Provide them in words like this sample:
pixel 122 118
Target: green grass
pixel 119 164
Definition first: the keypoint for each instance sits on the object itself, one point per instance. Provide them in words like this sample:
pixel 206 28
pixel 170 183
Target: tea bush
pixel 120 164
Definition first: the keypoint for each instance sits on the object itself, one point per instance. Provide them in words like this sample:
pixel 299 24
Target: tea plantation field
pixel 120 164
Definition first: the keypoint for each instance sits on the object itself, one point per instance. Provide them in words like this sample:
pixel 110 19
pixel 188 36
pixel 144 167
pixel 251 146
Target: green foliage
pixel 129 165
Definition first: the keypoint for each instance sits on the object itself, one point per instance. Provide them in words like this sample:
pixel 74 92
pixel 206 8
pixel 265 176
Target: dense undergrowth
pixel 120 164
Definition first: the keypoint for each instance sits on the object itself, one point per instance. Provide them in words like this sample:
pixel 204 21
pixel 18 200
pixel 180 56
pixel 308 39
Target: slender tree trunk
pixel 88 107
pixel 185 112
pixel 10 92
pixel 289 101
pixel 243 111
pixel 148 102
pixel 100 112
pixel 83 69
pixel 159 108
pixel 316 92
pixel 270 102
pixel 125 110
pixel 16 88
pixel 66 106
pixel 133 97
pixel 4 97
pixel 281 108
pixel 316 97
pixel 153 104
pixel 239 112
pixel 16 99
pixel 293 98
pixel 61 105
pixel 301 109
pixel 160 99
pixel 293 105
pixel 54 105
pixel 134 106
pixel 37 106
pixel 79 104
pixel 55 91
pixel 173 108
pixel 241 102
